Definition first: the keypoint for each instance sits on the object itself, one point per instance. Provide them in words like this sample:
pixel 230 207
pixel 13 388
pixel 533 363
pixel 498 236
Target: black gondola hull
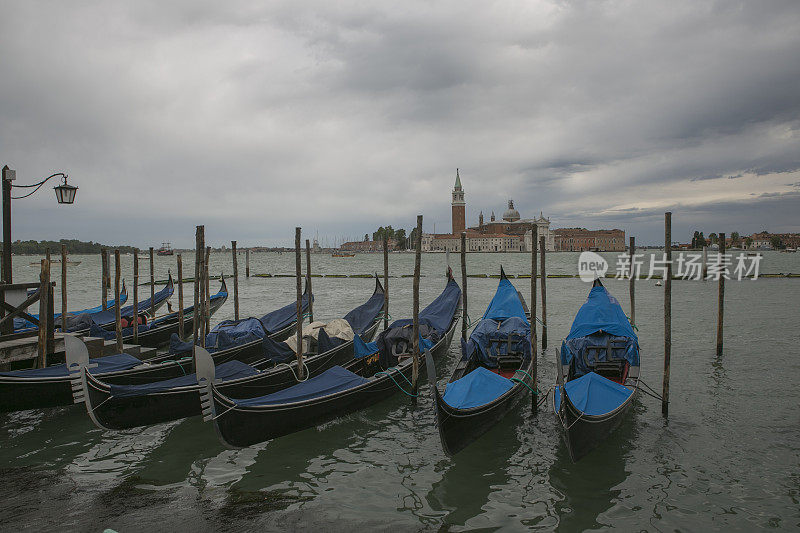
pixel 111 412
pixel 460 427
pixel 241 427
pixel 583 433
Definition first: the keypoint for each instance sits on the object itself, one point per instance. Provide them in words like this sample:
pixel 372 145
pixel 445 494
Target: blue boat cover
pixel 490 339
pixel 280 318
pixel 335 379
pixel 21 323
pixel 276 351
pixel 477 388
pixel 363 349
pixel 97 331
pixel 594 395
pixel 601 312
pixel 108 316
pixel 439 313
pixel 224 372
pixel 363 316
pixel 109 363
pixel 505 304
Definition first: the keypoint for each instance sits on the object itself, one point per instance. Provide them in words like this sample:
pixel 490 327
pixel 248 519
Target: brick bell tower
pixel 459 207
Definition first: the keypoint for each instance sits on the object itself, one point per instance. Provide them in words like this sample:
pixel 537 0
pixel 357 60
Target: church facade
pixel 511 233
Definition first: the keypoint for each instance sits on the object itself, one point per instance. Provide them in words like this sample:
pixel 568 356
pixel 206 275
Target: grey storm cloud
pixel 253 117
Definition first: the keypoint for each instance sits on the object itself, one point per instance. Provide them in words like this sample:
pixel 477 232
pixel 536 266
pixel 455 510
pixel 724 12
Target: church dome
pixel 511 214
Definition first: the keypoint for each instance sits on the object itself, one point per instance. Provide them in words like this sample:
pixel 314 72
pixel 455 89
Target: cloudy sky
pixel 255 117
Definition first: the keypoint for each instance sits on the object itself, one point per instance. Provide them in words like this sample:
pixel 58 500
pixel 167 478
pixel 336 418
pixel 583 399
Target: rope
pixel 307 373
pixel 517 380
pixel 231 408
pixel 386 373
pixel 634 326
pixel 652 393
pixel 383 315
pixel 544 398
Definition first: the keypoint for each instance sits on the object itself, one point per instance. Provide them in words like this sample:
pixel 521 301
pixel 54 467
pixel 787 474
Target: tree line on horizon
pixel 74 246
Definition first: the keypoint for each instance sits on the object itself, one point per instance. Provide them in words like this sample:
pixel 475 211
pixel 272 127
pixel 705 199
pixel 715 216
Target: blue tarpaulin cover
pixel 333 380
pixel 601 312
pixel 21 323
pixel 505 304
pixel 439 313
pixel 280 318
pixel 488 330
pixel 223 372
pixel 363 316
pixel 97 331
pixel 275 351
pixel 363 349
pixel 109 363
pixel 594 395
pixel 108 316
pixel 477 388
pixel 599 320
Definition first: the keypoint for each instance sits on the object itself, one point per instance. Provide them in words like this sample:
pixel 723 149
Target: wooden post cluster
pixel 136 296
pixel 385 281
pixel 247 263
pixel 299 275
pixel 44 327
pixel 464 314
pixel 63 287
pixel 235 282
pixel 308 283
pixel 105 277
pixel 542 244
pixel 667 311
pixel 152 287
pixel 180 297
pixel 721 296
pixel 415 331
pixel 634 273
pixel 117 303
pixel 534 343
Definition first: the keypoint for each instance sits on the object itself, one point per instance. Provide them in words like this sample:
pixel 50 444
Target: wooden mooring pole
pixel 207 292
pixel 308 283
pixel 196 305
pixel 385 281
pixel 63 287
pixel 534 342
pixel 464 313
pixel 667 311
pixel 299 276
pixel 44 293
pixel 136 297
pixel 634 273
pixel 542 245
pixel 247 263
pixel 721 294
pixel 415 330
pixel 152 287
pixel 180 297
pixel 105 277
pixel 705 263
pixel 117 310
pixel 235 282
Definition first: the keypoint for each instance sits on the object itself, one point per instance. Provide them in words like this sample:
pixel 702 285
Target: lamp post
pixel 65 194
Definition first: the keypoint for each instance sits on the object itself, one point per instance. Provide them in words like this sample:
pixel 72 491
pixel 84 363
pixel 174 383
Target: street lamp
pixel 65 194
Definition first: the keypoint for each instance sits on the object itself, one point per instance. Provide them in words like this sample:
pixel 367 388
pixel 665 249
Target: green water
pixel 727 458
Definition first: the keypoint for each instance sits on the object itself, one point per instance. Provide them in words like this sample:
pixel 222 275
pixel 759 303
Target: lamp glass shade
pixel 65 194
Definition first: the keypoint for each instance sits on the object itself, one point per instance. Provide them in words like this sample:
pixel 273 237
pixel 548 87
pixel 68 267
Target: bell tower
pixel 458 207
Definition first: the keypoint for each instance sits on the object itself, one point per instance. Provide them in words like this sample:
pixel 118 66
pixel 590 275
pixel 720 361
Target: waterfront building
pixel 582 239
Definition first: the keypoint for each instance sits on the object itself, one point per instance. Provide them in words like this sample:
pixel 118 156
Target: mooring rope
pixel 652 393
pixel 387 373
pixel 297 379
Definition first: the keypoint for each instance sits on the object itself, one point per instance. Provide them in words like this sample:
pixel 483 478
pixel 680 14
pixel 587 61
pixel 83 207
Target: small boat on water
pixel 343 254
pixel 165 249
pixel 378 370
pixel 597 373
pixel 493 374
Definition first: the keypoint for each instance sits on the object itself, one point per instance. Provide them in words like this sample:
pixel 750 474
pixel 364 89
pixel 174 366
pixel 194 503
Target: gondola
pixel 158 332
pixel 493 374
pixel 50 386
pixel 597 373
pixel 127 406
pixel 21 324
pixel 379 369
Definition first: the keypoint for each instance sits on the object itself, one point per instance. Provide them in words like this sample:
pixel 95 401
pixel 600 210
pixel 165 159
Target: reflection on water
pixel 726 459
